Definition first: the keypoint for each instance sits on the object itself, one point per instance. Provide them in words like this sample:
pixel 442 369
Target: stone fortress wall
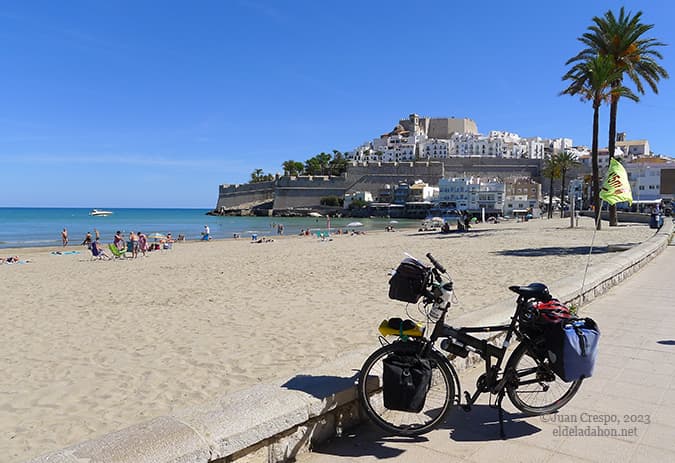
pixel 235 196
pixel 289 192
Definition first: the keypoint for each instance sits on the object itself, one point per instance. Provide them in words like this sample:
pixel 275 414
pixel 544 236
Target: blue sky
pixel 154 104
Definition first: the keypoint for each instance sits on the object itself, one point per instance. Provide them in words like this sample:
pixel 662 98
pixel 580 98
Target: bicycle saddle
pixel 538 291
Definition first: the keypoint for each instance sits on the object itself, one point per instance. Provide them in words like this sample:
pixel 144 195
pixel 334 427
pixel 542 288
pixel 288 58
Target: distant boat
pixel 314 214
pixel 98 213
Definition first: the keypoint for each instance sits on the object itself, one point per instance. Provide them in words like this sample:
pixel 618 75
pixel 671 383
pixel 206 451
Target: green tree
pixel 634 55
pixel 338 164
pixel 317 165
pixel 565 161
pixel 551 171
pixel 256 175
pixel 292 167
pixel 592 81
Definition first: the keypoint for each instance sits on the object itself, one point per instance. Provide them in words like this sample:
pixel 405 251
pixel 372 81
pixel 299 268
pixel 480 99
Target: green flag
pixel 616 188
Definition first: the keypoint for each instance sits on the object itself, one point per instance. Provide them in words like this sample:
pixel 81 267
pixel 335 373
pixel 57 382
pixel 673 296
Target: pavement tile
pixel 508 451
pixel 652 454
pixel 660 436
pixel 646 366
pixel 597 449
pixel 642 379
pixel 629 391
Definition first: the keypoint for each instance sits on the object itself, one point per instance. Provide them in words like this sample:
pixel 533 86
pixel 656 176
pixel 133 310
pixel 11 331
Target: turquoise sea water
pixel 27 227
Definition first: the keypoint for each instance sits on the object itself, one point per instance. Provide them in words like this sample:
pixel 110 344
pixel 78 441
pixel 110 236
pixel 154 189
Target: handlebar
pixel 437 265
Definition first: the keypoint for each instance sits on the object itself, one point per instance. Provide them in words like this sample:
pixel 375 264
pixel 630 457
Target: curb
pixel 272 423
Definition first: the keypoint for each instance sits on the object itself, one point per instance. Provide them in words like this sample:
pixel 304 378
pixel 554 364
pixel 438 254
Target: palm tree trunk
pixel 562 195
pixel 596 170
pixel 550 198
pixel 611 145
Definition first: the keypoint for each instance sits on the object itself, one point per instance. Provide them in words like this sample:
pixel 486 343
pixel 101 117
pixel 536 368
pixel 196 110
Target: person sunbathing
pixel 97 251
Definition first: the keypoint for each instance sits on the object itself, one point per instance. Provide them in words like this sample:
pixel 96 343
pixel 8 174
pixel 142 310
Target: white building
pixel 414 138
pixel 472 193
pixel 644 176
pixel 365 196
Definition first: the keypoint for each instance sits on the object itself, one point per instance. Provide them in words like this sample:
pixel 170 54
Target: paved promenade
pixel 630 400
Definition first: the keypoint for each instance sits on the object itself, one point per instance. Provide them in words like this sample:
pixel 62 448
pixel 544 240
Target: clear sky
pixel 155 103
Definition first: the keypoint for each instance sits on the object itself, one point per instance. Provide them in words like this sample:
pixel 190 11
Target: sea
pixel 33 227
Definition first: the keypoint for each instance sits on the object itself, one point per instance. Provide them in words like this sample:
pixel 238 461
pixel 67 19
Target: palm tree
pixel 592 81
pixel 551 171
pixel 565 161
pixel 292 167
pixel 256 175
pixel 634 55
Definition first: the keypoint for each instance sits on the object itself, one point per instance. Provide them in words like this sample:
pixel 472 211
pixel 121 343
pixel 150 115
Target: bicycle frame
pixel 483 348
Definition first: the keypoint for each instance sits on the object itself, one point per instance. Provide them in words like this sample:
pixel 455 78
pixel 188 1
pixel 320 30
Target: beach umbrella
pixel 156 236
pixel 393 221
pixel 355 224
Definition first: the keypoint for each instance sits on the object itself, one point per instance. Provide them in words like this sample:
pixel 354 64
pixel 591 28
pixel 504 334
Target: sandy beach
pixel 89 347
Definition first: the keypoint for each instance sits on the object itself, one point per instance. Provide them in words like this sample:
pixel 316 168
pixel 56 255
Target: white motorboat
pixel 99 213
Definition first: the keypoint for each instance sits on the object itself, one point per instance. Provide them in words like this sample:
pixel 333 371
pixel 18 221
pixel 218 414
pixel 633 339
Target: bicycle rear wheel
pixel 440 397
pixel 536 390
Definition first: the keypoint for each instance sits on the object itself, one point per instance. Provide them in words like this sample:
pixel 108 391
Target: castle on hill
pixel 423 162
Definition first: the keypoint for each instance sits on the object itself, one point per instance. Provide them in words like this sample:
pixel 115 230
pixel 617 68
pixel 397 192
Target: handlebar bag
pixel 405 382
pixel 407 282
pixel 572 348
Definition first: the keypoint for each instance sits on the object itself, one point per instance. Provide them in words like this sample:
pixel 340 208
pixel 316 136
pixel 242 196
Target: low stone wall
pixel 273 423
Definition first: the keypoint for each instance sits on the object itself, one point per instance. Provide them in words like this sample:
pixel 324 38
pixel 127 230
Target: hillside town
pixel 438 167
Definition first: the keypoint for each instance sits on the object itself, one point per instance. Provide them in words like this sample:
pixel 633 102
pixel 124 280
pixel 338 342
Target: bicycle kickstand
pixel 500 410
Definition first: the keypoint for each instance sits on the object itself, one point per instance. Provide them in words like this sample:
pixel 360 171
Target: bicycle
pixel 527 377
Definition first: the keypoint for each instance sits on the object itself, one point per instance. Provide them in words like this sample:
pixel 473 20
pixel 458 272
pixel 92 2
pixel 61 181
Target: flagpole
pixel 590 251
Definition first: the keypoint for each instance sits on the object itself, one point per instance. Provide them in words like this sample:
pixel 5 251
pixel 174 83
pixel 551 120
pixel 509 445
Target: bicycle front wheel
pixel 535 389
pixel 440 397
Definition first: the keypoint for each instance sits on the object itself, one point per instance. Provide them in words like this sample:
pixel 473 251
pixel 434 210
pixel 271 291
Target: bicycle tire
pixel 440 397
pixel 544 392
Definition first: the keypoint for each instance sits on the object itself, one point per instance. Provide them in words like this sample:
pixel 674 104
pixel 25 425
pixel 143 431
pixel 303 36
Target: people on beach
pixel 97 251
pixel 142 243
pixel 9 260
pixel 133 238
pixel 206 234
pixel 87 240
pixel 118 241
pixel 64 237
pixel 97 235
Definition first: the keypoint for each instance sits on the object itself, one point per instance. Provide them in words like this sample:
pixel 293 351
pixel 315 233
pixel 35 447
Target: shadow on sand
pixel 553 251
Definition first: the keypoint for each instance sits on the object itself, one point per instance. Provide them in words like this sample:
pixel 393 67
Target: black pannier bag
pixel 572 347
pixel 407 282
pixel 406 380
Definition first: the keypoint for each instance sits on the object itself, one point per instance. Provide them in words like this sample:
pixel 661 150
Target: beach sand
pixel 89 347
